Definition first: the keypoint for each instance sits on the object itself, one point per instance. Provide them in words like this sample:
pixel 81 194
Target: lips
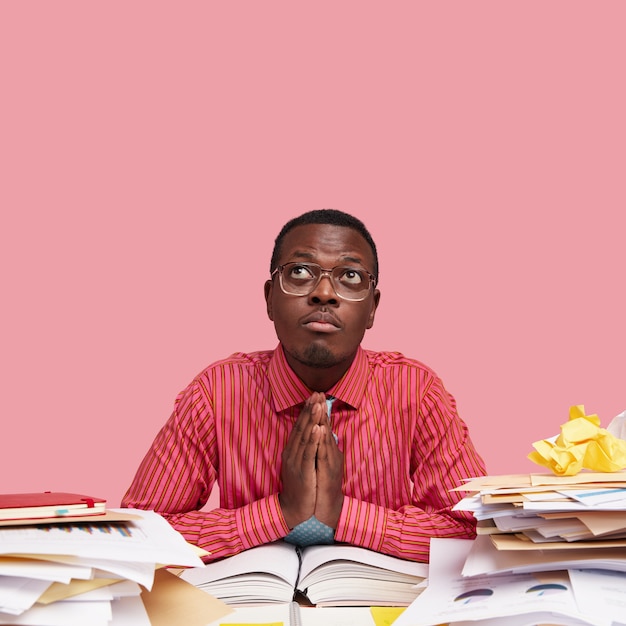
pixel 321 322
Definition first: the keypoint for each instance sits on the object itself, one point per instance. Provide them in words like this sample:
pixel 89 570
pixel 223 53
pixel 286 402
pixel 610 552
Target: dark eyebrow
pixel 351 259
pixel 299 254
pixel 303 255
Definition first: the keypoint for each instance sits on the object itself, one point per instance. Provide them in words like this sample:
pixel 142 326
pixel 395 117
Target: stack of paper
pixel 97 571
pixel 564 598
pixel 551 549
pixel 588 509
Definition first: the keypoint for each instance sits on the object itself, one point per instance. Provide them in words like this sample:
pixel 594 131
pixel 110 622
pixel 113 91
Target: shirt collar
pixel 288 390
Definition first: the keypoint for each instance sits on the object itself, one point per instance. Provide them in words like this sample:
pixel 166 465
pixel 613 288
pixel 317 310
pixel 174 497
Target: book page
pixel 314 556
pixel 343 575
pixel 278 559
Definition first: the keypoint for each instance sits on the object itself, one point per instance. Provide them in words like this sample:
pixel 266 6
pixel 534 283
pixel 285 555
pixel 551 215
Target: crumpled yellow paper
pixel 581 444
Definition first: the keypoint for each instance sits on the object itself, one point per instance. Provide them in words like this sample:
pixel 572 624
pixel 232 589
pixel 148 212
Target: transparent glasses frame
pixel 324 272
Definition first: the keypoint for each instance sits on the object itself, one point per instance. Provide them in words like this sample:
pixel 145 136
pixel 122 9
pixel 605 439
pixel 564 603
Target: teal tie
pixel 313 532
pixel 329 406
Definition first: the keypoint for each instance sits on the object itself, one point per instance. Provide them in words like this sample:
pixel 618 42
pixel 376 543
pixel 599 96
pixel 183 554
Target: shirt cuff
pixel 261 522
pixel 361 524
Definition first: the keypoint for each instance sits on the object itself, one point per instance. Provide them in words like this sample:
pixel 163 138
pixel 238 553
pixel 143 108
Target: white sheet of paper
pixel 600 591
pixel 129 611
pixel 450 597
pixel 141 573
pixel 596 497
pixel 572 506
pixel 63 614
pixel 19 594
pixel 149 539
pixel 485 558
pixel 336 616
pixel 44 570
pixel 530 619
pixel 123 589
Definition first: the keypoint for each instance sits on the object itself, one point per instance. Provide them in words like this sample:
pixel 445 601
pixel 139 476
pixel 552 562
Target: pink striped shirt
pixel 404 448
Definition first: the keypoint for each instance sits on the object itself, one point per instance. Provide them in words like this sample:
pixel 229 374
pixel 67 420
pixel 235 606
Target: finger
pixel 301 431
pixel 313 417
pixel 299 479
pixel 310 412
pixel 321 410
pixel 327 448
pixel 330 466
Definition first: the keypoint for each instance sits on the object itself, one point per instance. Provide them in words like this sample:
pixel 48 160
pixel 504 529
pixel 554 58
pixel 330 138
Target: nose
pixel 324 291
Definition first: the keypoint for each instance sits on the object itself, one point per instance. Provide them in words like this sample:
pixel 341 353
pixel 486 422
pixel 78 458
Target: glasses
pixel 301 279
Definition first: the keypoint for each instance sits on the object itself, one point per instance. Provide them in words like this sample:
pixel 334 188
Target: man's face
pixel 322 330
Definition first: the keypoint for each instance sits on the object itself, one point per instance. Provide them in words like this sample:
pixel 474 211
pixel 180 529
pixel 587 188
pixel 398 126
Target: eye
pixel 352 277
pixel 300 272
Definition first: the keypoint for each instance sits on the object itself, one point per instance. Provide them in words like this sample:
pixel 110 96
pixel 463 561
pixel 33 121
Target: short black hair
pixel 324 216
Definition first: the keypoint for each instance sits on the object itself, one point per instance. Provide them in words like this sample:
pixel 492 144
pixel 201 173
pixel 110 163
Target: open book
pixel 333 575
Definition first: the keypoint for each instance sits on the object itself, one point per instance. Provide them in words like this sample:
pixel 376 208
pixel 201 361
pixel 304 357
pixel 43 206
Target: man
pixel 319 436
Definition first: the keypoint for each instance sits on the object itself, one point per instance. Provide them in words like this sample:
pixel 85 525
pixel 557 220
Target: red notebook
pixel 48 504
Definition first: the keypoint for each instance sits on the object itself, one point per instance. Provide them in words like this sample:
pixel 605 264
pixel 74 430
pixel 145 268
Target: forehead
pixel 327 245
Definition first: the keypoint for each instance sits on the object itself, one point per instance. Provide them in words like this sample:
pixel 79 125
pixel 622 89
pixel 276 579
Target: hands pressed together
pixel 312 468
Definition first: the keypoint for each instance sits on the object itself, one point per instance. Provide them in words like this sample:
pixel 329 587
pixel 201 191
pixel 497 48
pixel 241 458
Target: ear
pixel 268 288
pixel 375 302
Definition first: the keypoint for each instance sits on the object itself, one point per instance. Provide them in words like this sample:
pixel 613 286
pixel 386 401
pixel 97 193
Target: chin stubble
pixel 317 356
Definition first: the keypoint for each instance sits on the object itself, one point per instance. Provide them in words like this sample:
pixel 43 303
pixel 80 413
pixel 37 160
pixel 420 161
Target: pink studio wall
pixel 150 153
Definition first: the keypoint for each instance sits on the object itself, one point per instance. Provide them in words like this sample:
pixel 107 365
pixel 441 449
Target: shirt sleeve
pixel 443 455
pixel 176 478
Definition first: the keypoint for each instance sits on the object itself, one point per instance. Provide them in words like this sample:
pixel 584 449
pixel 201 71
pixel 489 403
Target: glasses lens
pixel 350 283
pixel 300 279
